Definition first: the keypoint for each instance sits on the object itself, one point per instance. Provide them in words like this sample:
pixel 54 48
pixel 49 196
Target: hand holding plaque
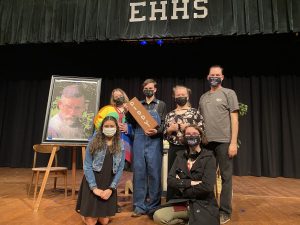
pixel 141 115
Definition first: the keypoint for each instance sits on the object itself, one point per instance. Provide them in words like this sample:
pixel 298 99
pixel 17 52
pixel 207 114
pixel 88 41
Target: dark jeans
pixel 172 153
pixel 225 164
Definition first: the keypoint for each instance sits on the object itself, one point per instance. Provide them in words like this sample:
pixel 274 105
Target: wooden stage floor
pixel 256 201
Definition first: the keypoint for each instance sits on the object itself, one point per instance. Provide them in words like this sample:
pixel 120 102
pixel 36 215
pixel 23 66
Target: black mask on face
pixel 214 81
pixel 193 140
pixel 119 101
pixel 181 101
pixel 148 93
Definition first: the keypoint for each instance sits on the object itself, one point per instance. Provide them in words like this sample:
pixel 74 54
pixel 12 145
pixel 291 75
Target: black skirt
pixel 91 205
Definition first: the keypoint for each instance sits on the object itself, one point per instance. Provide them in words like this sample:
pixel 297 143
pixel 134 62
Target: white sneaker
pixel 224 218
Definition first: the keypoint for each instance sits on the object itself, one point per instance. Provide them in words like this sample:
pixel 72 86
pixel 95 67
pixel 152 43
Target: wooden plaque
pixel 141 115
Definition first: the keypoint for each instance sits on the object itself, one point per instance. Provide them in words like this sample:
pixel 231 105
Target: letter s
pixel 200 8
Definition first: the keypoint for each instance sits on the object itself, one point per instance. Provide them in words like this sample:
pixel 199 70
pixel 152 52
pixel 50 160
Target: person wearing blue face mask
pixel 219 108
pixel 117 109
pixel 103 167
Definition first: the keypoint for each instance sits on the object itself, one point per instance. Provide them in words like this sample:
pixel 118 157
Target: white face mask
pixel 109 131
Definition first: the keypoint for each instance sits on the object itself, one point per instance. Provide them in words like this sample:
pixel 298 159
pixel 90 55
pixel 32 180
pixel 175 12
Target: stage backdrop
pixel 31 21
pixel 268 83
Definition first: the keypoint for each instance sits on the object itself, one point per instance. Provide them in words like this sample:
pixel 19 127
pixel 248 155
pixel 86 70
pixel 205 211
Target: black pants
pixel 172 153
pixel 225 164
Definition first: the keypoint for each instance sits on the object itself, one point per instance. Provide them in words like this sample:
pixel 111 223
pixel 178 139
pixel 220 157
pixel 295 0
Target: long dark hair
pixel 98 143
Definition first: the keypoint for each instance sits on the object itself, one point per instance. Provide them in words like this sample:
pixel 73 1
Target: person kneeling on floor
pixel 193 175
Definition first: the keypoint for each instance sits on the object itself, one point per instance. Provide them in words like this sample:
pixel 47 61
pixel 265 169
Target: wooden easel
pixel 74 148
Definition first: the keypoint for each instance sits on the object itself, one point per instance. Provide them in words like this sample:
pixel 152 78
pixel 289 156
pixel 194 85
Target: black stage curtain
pixel 34 21
pixel 267 83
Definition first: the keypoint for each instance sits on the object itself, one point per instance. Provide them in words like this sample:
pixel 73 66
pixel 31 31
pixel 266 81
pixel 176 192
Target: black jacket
pixel 203 207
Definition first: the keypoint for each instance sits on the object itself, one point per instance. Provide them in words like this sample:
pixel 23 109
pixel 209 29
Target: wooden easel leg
pixel 73 171
pixel 38 201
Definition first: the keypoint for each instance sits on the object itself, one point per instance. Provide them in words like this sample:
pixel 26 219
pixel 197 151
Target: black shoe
pixel 119 209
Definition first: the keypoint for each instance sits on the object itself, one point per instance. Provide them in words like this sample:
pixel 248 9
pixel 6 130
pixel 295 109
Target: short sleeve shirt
pixel 215 108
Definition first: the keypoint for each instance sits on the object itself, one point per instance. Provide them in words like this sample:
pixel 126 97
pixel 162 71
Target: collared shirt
pixel 152 105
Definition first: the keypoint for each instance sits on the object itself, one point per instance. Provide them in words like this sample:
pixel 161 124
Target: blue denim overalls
pixel 147 161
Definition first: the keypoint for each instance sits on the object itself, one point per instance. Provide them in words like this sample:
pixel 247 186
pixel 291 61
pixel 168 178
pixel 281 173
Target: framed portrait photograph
pixel 72 105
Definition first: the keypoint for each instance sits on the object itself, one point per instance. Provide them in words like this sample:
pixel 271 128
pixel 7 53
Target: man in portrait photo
pixel 66 123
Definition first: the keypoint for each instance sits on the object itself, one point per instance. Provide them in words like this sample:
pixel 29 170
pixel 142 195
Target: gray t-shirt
pixel 216 108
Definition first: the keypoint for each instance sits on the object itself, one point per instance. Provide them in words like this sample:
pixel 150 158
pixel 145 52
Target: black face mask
pixel 214 81
pixel 193 140
pixel 148 93
pixel 181 101
pixel 119 101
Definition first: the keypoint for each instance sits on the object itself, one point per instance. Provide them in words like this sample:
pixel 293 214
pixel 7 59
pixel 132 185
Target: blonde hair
pixel 189 92
pixel 112 102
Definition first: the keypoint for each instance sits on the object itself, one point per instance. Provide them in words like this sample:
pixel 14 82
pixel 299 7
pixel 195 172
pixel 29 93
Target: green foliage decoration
pixel 242 112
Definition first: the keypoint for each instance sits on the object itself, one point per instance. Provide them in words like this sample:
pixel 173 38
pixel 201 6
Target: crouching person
pixel 103 167
pixel 193 175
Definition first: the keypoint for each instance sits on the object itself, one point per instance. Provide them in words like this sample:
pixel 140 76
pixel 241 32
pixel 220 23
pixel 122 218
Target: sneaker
pixel 224 218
